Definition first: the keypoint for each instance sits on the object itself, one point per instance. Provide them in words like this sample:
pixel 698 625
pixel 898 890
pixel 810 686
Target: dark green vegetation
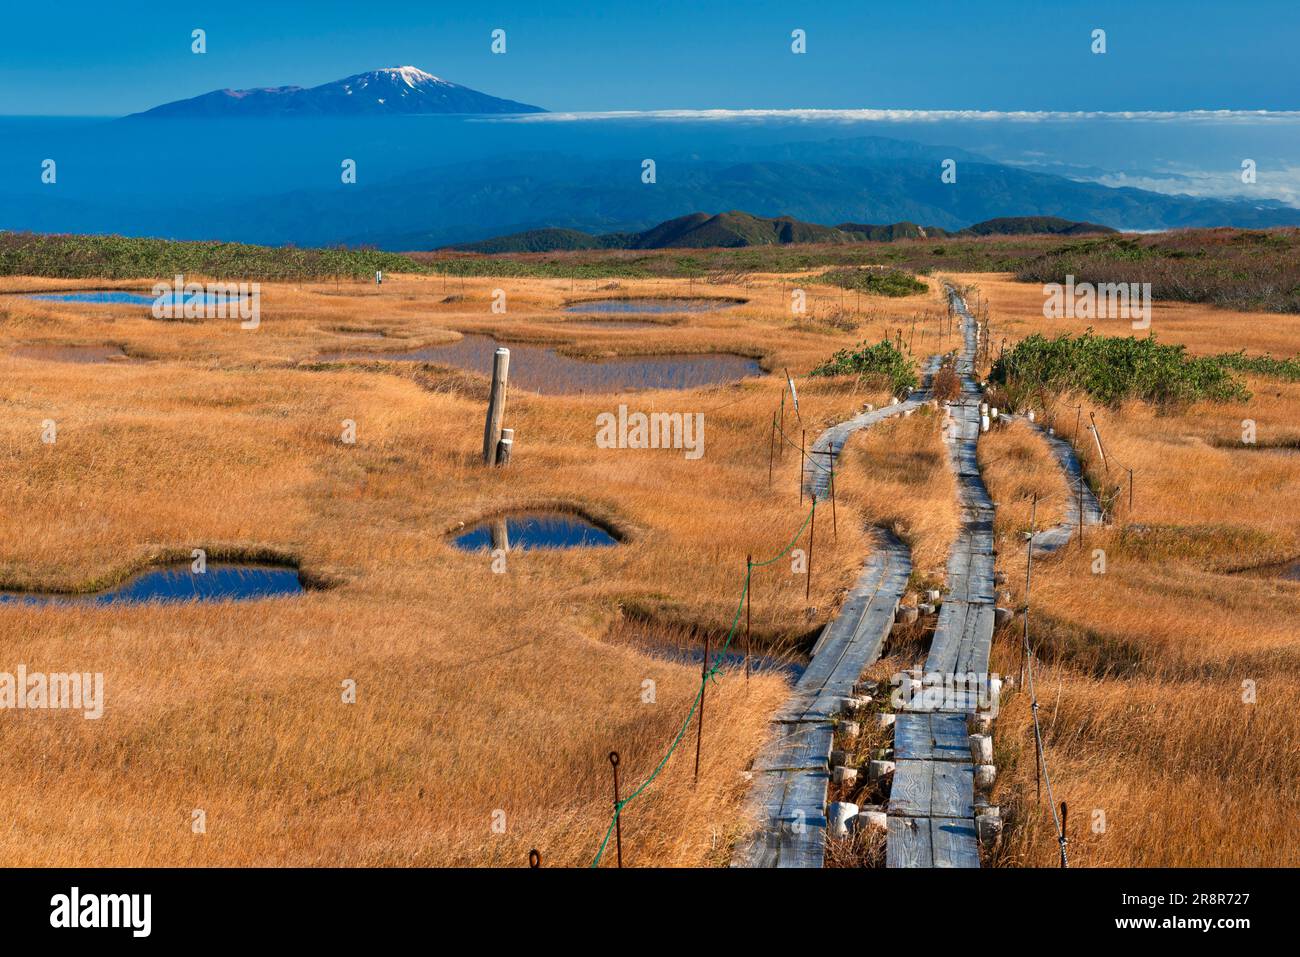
pixel 875 282
pixel 736 229
pixel 1239 269
pixel 123 257
pixel 1286 369
pixel 883 364
pixel 1112 369
pixel 1033 226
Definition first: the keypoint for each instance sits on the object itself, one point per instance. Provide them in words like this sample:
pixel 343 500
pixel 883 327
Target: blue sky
pixel 112 58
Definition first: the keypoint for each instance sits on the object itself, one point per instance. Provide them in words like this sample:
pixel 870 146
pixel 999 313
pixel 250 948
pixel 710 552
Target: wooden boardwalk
pixel 792 771
pixel 932 801
pixel 1051 540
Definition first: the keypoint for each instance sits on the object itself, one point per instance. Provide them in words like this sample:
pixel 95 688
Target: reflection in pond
pixel 177 583
pixel 541 369
pixel 534 530
pixel 651 305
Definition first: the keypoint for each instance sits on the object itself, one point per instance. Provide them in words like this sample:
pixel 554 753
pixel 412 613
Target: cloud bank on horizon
pixel 911 116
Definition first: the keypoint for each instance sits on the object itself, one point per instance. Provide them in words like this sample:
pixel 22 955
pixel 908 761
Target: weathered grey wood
pixel 496 410
pixel 952 789
pixel 932 799
pixel 954 843
pixel 910 793
pixel 798 746
pixel 908 843
pixel 505 446
pixel 788 797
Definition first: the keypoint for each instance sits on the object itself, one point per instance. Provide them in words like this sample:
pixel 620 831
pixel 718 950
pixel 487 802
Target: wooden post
pixel 618 811
pixel 1096 434
pixel 505 446
pixel 500 535
pixel 704 687
pixel 812 535
pixel 496 405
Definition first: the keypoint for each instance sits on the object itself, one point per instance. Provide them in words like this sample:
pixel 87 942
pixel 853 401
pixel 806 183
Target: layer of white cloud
pixel 916 116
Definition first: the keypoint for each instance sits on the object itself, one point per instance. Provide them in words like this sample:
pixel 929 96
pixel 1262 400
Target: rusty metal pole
pixel 783 425
pixel 803 458
pixel 699 728
pixel 771 450
pixel 618 810
pixel 812 536
pixel 1130 493
pixel 749 585
pixel 835 525
pixel 1029 579
pixel 1081 510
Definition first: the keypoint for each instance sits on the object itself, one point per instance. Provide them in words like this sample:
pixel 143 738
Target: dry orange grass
pixel 1145 668
pixel 476 692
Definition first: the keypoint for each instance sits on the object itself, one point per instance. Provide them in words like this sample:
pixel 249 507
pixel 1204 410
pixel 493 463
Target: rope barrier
pixel 705 678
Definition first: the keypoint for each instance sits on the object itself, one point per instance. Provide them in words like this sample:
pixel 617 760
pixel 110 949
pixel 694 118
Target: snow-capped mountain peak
pixel 391 90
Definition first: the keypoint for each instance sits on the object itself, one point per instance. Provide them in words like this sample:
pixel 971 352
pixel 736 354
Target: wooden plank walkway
pixel 791 773
pixel 1051 540
pixel 932 801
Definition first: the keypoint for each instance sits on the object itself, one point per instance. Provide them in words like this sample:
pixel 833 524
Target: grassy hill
pixel 735 229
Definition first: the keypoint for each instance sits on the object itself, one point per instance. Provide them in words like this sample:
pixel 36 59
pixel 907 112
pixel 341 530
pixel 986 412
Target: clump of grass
pixel 875 282
pixel 883 362
pixel 1112 369
pixel 946 385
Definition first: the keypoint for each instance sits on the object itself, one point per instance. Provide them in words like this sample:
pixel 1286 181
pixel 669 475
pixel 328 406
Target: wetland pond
pixel 651 306
pixel 541 369
pixel 533 530
pixel 177 583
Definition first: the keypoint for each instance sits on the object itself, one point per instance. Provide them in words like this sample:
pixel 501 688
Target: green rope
pixel 704 679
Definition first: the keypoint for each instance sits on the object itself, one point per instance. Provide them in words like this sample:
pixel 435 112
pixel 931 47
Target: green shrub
pixel 1111 369
pixel 875 282
pixel 881 362
pixel 1286 369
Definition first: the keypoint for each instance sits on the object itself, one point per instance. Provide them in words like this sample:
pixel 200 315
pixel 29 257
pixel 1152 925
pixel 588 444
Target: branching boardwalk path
pixel 1054 539
pixel 791 773
pixel 932 801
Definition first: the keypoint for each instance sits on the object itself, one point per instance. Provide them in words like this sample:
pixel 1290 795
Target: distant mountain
pixel 735 229
pixel 887 234
pixel 1036 225
pixel 396 90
